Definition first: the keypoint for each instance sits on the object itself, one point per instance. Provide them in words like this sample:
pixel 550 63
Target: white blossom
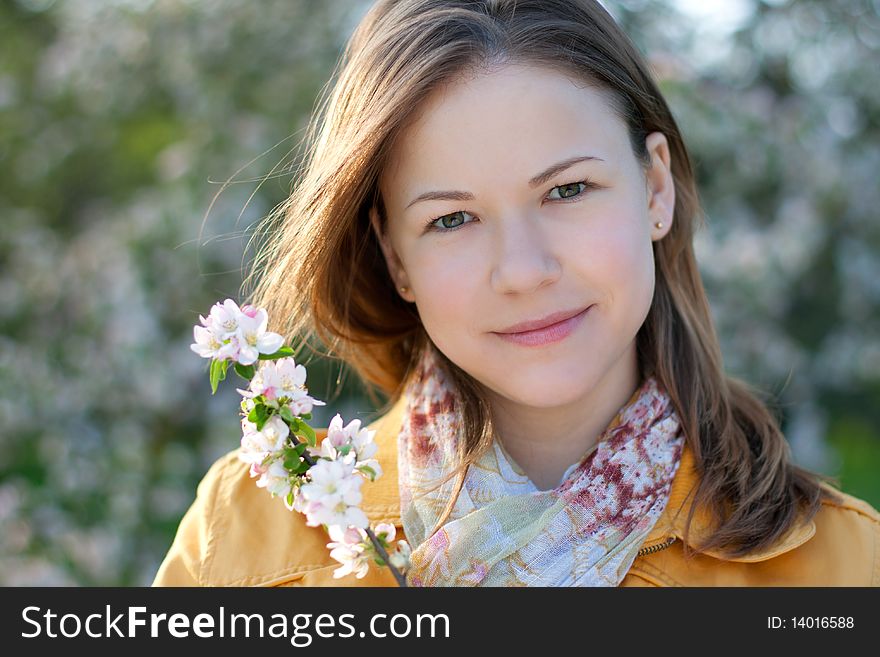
pixel 374 465
pixel 400 558
pixel 347 547
pixel 254 339
pixel 277 480
pixel 257 446
pixel 207 344
pixel 360 439
pixel 385 528
pixel 302 403
pixel 282 379
pixel 233 333
pixel 223 319
pixel 332 495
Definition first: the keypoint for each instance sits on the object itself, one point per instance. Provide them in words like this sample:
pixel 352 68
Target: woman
pixel 494 228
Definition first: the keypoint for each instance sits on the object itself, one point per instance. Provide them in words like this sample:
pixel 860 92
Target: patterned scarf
pixel 503 530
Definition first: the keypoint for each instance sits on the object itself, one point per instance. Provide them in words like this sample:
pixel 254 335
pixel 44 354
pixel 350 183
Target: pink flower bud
pixel 249 310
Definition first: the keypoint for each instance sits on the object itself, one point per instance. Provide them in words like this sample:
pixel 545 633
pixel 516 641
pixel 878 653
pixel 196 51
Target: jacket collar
pixel 381 498
pixel 672 521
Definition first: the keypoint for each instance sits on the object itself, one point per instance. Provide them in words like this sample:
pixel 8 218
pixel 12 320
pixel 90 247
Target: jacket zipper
pixel 651 549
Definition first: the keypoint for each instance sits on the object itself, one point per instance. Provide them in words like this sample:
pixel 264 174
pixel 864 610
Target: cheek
pixel 611 256
pixel 447 286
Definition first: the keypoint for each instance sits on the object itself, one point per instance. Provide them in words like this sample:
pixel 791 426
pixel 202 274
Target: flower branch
pixel 276 439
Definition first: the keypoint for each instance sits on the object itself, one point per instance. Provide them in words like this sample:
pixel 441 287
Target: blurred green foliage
pixel 119 118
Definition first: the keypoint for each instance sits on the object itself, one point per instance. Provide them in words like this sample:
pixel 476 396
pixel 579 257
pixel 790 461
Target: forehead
pixel 514 120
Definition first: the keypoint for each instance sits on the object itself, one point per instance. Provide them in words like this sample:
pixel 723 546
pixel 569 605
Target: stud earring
pixel 659 224
pixel 404 289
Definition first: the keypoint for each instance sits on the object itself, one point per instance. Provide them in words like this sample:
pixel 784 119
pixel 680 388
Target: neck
pixel 545 441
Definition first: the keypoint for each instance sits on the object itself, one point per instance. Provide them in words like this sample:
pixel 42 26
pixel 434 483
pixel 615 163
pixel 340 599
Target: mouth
pixel 543 322
pixel 547 330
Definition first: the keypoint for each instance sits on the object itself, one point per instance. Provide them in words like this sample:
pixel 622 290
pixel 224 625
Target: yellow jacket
pixel 236 534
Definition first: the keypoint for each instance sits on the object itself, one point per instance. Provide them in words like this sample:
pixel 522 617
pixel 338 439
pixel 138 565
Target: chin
pixel 543 393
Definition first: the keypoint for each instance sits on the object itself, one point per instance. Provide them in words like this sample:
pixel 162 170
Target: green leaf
pixel 368 470
pixel 217 373
pixel 306 416
pixel 258 415
pixel 281 353
pixel 287 414
pixel 309 434
pixel 290 498
pixel 246 372
pixel 214 375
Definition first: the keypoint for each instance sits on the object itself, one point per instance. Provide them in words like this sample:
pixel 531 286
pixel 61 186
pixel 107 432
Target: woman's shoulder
pixel 839 546
pixel 847 540
pixel 843 551
pixel 237 534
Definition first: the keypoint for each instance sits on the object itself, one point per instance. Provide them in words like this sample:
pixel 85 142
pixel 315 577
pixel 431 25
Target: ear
pixel 395 267
pixel 661 185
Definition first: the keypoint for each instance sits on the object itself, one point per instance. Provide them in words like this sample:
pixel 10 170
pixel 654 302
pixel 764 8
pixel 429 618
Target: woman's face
pixel 509 247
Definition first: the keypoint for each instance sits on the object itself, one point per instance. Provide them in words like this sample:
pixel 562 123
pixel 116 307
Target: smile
pixel 547 334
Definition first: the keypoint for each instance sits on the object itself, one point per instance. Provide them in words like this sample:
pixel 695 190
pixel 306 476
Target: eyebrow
pixel 539 179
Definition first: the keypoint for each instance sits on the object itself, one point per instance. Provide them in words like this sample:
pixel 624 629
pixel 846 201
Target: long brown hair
pixel 321 275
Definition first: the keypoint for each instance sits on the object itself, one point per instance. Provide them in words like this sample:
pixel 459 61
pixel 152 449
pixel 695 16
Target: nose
pixel 522 260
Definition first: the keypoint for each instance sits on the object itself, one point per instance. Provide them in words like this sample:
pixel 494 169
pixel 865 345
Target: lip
pixel 552 328
pixel 544 322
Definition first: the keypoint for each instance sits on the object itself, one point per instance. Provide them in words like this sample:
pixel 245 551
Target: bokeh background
pixel 141 141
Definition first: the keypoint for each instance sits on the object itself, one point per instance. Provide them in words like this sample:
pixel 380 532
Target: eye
pixel 571 190
pixel 449 222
